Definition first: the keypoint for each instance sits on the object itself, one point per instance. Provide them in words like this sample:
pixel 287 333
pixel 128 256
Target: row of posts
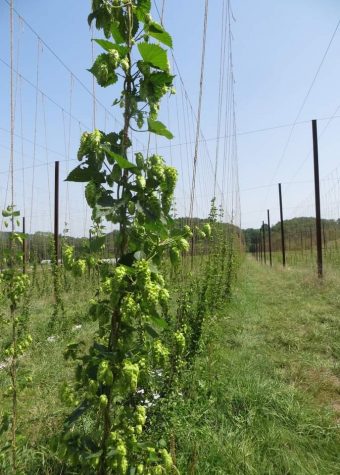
pixel 260 248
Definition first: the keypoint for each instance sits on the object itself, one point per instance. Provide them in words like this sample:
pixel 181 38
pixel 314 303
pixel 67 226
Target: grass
pixel 307 257
pixel 264 396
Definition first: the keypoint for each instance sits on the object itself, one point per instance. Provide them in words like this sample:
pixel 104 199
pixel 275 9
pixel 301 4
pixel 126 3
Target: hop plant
pixel 140 415
pixel 207 229
pixel 131 373
pixel 104 69
pixel 180 342
pixel 161 352
pixel 68 257
pixel 79 267
pixel 183 244
pixel 131 297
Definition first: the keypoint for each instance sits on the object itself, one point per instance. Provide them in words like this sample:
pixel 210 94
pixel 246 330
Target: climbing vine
pixel 14 286
pixel 128 359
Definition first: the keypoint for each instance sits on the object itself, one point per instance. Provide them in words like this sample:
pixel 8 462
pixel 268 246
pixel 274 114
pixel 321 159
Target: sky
pixel 277 48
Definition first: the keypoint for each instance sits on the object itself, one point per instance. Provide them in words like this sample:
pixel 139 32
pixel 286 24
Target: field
pixel 263 396
pixel 266 396
pixel 143 331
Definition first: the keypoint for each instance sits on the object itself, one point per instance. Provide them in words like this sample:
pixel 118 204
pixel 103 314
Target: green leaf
pixel 83 175
pixel 97 243
pixel 151 331
pixel 157 31
pixel 159 322
pixel 159 128
pixel 154 55
pixel 78 412
pixel 106 201
pixel 153 457
pixel 116 34
pixel 142 9
pixel 161 79
pixel 122 162
pixel 109 46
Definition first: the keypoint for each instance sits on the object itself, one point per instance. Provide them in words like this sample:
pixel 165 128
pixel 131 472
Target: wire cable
pixel 305 100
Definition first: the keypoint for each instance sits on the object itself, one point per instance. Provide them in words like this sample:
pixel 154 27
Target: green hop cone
pixel 207 229
pixel 103 401
pixel 174 256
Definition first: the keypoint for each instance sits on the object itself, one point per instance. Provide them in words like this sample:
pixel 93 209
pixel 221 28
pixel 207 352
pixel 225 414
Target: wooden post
pixel 264 243
pixel 282 229
pixel 56 212
pixel 317 199
pixel 269 238
pixel 24 246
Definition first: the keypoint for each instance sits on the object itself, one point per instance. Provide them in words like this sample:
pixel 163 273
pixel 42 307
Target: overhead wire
pixel 282 156
pixel 42 92
pixel 180 152
pixel 194 114
pixel 93 83
pixel 22 149
pixel 227 127
pixel 67 146
pixel 320 135
pixel 12 110
pixel 179 74
pixel 220 89
pixel 47 160
pixel 35 130
pixel 63 64
pixel 26 139
pixel 193 183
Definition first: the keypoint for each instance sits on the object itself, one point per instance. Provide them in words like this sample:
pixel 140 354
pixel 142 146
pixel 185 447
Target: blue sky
pixel 277 48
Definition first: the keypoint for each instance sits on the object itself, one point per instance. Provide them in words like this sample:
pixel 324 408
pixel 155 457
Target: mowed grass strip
pixel 264 395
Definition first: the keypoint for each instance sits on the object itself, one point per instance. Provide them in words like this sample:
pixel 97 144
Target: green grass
pixel 307 257
pixel 264 396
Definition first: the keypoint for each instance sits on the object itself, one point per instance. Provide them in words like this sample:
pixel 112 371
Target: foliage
pixel 14 288
pixel 58 306
pixel 145 320
pixel 128 357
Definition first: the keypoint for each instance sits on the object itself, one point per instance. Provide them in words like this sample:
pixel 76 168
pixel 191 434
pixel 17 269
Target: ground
pixel 264 397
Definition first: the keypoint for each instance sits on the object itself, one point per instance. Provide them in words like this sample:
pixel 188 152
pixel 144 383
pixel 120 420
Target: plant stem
pixel 127 117
pixel 14 388
pixel 115 318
